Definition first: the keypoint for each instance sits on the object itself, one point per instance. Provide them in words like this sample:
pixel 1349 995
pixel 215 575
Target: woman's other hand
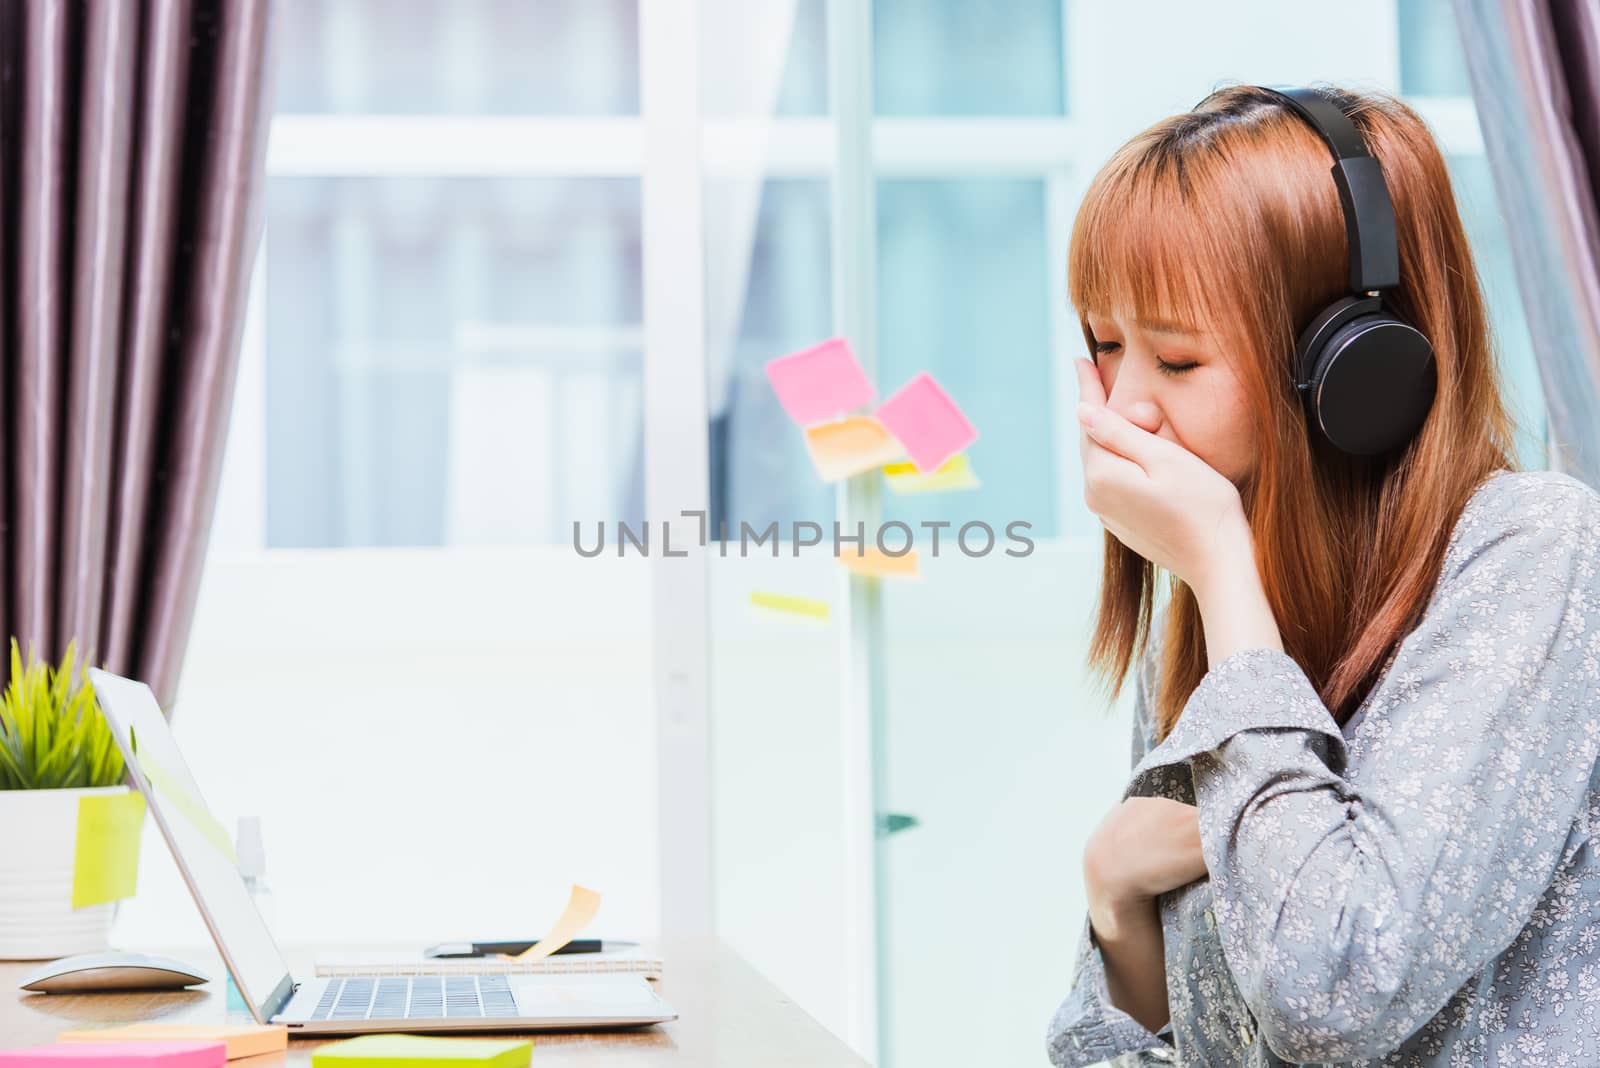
pixel 1145 846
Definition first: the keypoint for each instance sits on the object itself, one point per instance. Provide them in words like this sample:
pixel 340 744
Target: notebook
pixel 347 965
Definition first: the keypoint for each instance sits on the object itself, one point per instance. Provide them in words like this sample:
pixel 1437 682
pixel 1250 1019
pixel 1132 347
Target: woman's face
pixel 1202 407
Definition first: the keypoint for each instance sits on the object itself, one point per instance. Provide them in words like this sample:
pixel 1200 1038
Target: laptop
pixel 350 1004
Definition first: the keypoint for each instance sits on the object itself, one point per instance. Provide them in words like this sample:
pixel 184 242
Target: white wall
pixel 437 750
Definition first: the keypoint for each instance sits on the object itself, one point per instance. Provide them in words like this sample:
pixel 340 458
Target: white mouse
pixel 94 972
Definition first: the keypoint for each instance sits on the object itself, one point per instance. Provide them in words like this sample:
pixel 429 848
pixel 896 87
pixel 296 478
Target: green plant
pixel 53 735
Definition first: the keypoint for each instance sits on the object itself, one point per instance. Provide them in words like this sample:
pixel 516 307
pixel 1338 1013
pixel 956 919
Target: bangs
pixel 1139 246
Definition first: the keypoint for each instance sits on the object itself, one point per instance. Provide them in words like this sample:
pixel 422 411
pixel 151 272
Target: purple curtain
pixel 132 144
pixel 1535 72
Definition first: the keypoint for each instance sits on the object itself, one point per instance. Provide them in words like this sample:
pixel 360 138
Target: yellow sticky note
pixel 783 602
pixel 581 908
pixel 953 475
pixel 174 792
pixel 423 1051
pixel 242 1040
pixel 879 564
pixel 106 864
pixel 850 446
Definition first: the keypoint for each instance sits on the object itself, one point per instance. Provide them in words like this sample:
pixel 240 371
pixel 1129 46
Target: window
pixel 447 362
pixel 441 371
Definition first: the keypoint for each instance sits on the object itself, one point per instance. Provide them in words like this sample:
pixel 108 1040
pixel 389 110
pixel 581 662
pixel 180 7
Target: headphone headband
pixel 1363 194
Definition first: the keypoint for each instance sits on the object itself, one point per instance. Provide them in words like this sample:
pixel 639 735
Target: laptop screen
pixel 201 846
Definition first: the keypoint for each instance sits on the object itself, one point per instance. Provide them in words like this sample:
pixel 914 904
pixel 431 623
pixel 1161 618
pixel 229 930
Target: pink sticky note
pixel 118 1055
pixel 927 422
pixel 817 384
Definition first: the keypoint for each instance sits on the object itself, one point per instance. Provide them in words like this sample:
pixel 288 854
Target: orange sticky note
pixel 242 1040
pixel 850 446
pixel 879 564
pixel 581 908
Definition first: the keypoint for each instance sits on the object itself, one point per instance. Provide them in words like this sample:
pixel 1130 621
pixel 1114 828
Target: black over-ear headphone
pixel 1367 379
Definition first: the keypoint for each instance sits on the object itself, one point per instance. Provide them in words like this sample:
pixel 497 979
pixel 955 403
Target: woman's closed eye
pixel 1106 347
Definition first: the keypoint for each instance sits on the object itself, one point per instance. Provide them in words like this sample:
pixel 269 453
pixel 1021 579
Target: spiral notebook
pixel 346 965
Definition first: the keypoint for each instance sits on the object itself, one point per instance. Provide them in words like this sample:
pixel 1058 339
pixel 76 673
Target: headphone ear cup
pixel 1372 384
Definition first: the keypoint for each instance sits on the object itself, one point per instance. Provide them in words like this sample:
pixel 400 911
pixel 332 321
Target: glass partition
pixel 916 167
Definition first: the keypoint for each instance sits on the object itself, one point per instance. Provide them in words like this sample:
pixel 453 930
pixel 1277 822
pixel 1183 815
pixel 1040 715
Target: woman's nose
pixel 1129 397
pixel 1142 413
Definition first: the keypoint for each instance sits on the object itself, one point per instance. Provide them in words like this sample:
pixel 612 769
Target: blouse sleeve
pixel 1352 907
pixel 1087 1028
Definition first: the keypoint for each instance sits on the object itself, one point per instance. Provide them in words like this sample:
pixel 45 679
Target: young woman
pixel 1367 715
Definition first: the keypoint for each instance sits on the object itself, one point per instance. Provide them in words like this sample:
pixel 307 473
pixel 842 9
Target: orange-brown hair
pixel 1227 217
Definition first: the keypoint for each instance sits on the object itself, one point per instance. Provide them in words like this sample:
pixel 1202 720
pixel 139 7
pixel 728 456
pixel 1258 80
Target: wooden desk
pixel 727 1015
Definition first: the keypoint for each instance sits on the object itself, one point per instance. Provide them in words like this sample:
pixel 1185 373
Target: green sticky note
pixel 106 867
pixel 420 1051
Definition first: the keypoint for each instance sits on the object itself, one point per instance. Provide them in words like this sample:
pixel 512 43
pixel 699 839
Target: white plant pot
pixel 38 849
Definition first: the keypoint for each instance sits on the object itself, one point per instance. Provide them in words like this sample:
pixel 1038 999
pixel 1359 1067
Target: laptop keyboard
pixel 423 997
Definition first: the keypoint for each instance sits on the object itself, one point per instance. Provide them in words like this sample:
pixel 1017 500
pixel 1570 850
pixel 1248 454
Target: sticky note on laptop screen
pixel 820 383
pixel 422 1051
pixel 927 422
pixel 118 1055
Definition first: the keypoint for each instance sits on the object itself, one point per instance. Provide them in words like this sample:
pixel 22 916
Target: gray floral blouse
pixel 1421 887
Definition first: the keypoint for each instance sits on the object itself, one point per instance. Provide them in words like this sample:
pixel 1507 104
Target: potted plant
pixel 55 748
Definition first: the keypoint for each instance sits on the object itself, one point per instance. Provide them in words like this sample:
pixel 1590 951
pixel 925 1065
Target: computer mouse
pixel 94 972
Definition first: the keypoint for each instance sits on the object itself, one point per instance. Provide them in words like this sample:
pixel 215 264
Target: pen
pixel 489 949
